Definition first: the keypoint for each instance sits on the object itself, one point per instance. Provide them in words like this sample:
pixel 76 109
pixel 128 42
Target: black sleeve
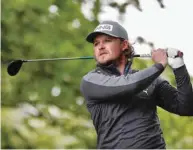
pixel 176 100
pixel 99 87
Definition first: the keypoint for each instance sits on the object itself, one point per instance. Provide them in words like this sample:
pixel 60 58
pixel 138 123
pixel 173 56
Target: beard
pixel 109 61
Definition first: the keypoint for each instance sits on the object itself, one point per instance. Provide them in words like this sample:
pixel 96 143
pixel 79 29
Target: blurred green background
pixel 42 106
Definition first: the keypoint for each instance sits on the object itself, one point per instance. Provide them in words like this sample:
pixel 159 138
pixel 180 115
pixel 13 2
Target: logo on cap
pixel 104 27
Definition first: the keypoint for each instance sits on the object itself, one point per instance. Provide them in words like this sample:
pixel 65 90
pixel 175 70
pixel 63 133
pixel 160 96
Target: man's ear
pixel 125 45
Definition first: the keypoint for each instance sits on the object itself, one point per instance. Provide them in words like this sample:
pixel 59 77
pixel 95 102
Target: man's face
pixel 107 48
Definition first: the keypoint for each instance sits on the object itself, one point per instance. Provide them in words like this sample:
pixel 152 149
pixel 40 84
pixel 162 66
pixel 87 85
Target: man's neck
pixel 121 64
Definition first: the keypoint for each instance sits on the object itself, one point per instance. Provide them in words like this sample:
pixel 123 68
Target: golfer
pixel 123 101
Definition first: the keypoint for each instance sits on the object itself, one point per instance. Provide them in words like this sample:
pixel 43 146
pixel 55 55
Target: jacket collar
pixel 112 69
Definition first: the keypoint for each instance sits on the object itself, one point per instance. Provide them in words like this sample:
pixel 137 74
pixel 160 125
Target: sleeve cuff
pixel 180 71
pixel 159 66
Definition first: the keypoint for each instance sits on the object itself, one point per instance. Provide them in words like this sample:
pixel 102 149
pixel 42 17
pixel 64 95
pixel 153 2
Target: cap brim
pixel 90 38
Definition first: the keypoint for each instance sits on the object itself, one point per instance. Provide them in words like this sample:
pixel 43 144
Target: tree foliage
pixel 42 106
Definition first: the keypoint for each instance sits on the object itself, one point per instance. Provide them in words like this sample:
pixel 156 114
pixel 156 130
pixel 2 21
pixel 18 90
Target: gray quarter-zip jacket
pixel 124 107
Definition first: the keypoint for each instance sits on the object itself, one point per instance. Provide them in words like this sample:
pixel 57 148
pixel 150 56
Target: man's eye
pixel 95 44
pixel 108 40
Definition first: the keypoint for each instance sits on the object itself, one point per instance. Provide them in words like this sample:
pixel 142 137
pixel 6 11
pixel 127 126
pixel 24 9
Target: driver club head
pixel 14 67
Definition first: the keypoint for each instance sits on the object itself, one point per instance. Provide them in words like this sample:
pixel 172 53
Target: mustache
pixel 107 63
pixel 103 52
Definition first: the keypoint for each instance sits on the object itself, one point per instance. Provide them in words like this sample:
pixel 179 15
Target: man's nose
pixel 101 46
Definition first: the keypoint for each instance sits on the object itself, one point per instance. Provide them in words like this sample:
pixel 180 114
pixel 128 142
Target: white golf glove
pixel 173 61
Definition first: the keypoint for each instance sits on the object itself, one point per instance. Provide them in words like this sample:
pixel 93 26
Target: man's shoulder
pixel 133 70
pixel 89 74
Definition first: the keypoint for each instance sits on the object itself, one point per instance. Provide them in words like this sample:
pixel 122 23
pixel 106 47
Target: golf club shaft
pixel 65 58
pixel 77 58
pixel 180 54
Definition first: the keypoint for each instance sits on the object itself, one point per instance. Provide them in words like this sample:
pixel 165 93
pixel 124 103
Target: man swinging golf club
pixel 123 101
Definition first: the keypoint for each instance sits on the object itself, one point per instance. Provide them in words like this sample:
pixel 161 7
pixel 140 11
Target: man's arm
pixel 178 101
pixel 99 87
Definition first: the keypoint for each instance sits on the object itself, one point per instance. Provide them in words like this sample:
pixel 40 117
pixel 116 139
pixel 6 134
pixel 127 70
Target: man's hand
pixel 174 62
pixel 160 56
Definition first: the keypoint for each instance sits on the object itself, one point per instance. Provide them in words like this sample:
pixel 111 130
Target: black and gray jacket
pixel 123 107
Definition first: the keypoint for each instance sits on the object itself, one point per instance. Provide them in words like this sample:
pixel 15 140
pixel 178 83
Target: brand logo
pixel 104 27
pixel 145 91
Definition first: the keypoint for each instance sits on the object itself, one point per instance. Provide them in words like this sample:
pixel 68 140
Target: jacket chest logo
pixel 146 92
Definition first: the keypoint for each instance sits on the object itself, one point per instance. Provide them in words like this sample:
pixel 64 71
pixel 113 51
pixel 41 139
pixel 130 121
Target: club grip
pixel 180 54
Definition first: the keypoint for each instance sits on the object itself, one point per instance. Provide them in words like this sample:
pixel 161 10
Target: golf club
pixel 14 66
